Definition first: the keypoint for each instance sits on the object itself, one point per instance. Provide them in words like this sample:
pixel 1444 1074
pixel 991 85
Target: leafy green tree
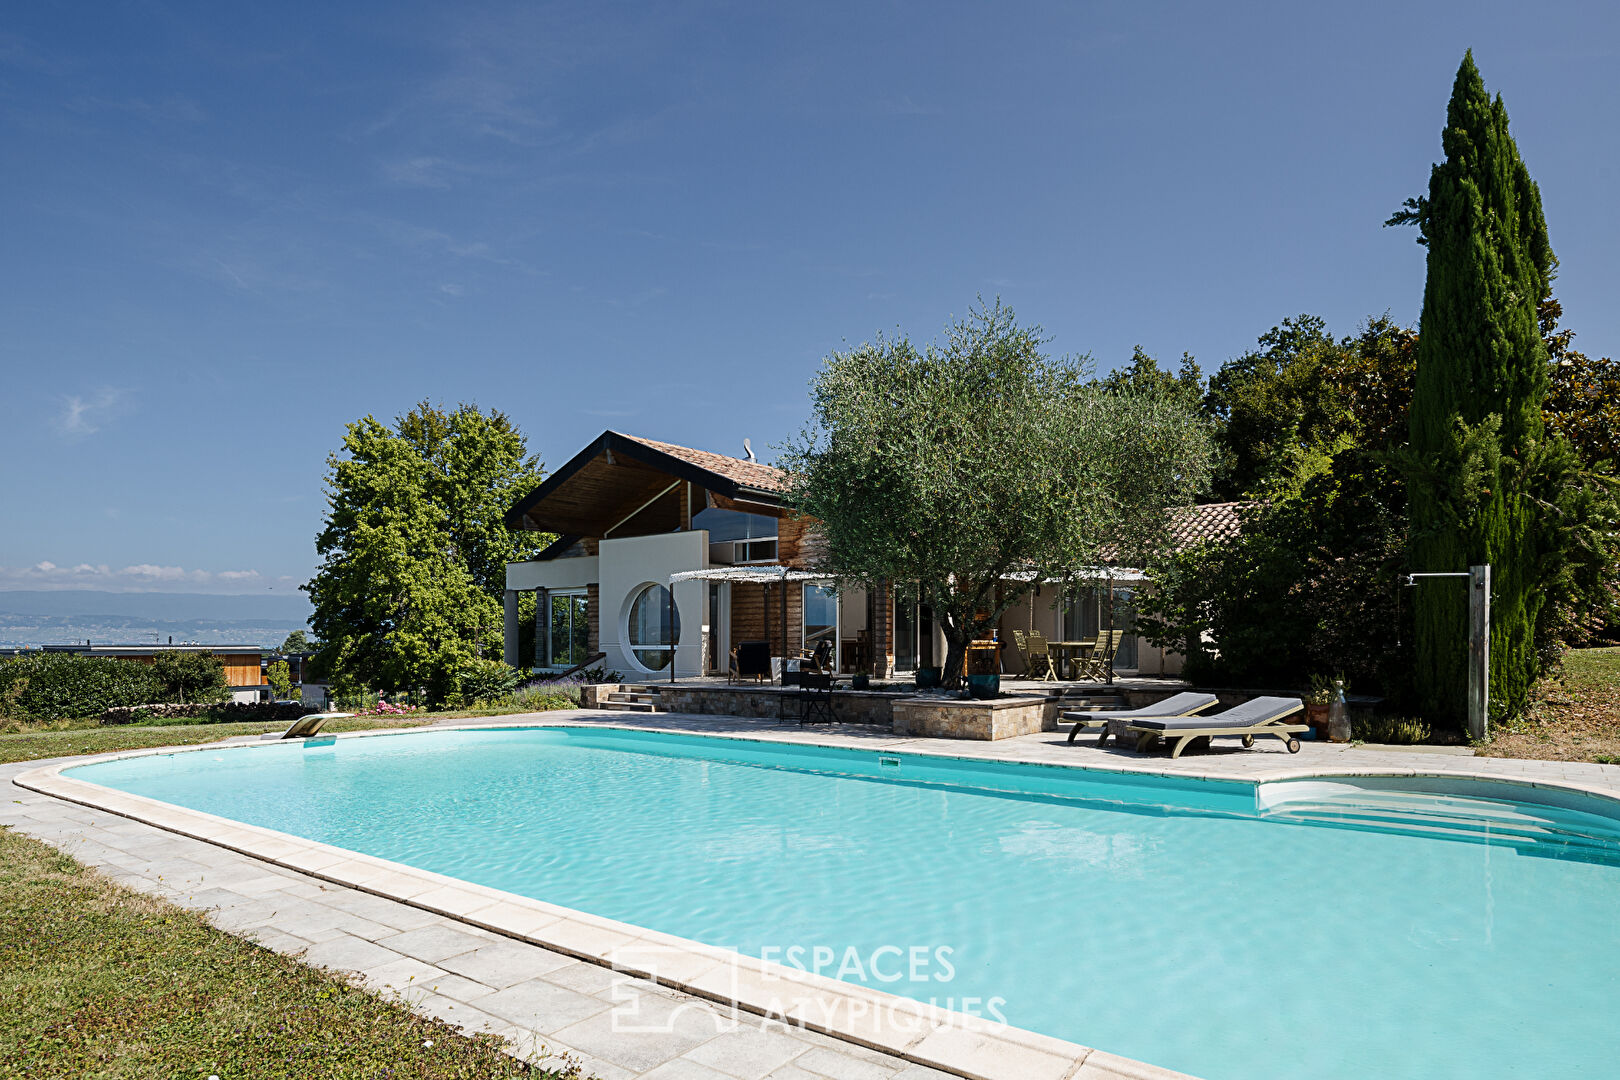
pixel 1311 586
pixel 295 642
pixel 1144 376
pixel 280 676
pixel 414 549
pixel 1481 361
pixel 958 464
pixel 191 676
pixel 1583 398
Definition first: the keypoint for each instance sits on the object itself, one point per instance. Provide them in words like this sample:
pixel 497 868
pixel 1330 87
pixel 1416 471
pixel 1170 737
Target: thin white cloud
pixel 140 577
pixel 83 415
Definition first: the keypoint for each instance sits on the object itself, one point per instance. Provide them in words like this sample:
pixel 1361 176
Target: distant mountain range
pixel 107 618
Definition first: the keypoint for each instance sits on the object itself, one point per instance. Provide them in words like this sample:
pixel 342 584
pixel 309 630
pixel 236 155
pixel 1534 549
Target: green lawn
pixel 90 738
pixel 97 980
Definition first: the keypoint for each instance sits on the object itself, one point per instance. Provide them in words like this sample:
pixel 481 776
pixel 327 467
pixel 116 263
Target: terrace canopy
pixel 750 575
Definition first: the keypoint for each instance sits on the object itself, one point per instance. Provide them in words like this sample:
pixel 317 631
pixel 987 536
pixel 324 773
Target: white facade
pixel 627 566
pixel 622 569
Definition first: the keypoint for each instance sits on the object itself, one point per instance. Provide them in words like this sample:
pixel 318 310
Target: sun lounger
pixel 306 726
pixel 1259 716
pixel 1183 704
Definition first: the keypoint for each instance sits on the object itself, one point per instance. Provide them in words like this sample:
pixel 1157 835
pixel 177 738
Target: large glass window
pixel 734 524
pixel 570 630
pixel 913 629
pixel 1086 610
pixel 747 537
pixel 655 627
pixel 820 616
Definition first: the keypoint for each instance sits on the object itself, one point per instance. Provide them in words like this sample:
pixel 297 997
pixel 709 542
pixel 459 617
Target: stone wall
pixel 955 718
pixel 763 702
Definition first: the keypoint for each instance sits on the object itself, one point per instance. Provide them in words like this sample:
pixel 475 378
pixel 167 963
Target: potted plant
pixel 984 674
pixel 984 687
pixel 861 681
pixel 1317 700
pixel 927 678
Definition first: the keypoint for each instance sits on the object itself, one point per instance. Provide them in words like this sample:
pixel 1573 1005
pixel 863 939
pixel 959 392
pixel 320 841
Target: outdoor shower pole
pixel 1479 649
pixel 1479 643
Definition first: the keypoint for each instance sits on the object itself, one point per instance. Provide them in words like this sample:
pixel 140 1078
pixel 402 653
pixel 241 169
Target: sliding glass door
pixel 570 629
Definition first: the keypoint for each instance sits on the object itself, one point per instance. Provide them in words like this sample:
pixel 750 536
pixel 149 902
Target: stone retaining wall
pixel 955 718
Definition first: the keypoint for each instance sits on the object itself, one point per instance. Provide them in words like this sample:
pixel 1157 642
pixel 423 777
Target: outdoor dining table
pixel 1065 652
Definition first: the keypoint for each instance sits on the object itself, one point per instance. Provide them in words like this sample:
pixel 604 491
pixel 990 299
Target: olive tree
pixel 979 466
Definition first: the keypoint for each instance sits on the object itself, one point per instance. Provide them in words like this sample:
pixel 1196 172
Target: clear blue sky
pixel 228 229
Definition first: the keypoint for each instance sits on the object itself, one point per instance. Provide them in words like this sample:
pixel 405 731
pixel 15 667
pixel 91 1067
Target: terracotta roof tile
pixel 1191 525
pixel 750 474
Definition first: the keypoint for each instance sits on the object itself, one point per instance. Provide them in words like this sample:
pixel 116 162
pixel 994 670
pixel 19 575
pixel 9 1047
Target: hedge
pixel 68 685
pixel 230 712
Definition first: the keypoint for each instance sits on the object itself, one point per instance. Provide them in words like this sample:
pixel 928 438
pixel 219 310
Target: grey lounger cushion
pixel 1259 710
pixel 1176 705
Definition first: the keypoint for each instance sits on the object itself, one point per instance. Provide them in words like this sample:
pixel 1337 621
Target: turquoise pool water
pixel 1326 932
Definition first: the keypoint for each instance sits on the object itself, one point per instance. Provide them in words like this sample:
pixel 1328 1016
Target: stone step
pixel 626 696
pixel 629 706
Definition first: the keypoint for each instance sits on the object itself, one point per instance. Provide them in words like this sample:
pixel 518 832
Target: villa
pixel 670 555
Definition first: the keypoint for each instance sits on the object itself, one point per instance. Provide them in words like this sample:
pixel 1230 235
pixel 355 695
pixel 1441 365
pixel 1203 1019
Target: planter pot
pixel 984 687
pixel 927 678
pixel 861 681
pixel 1317 717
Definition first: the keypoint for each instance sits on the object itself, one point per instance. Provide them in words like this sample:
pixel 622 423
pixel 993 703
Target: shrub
pixel 191 676
pixel 228 712
pixel 544 696
pixel 65 685
pixel 485 680
pixel 598 675
pixel 1392 730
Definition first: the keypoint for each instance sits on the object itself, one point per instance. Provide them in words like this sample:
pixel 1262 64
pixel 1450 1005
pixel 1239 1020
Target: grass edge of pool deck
pixel 132 976
pixel 909 1030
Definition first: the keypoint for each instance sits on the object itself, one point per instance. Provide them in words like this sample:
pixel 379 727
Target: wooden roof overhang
pixel 617 478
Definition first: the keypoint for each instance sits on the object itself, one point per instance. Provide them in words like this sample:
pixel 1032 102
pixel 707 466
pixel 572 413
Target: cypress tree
pixel 1476 408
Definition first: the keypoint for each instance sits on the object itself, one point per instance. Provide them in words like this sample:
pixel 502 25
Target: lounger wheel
pixel 1248 741
pixel 1293 745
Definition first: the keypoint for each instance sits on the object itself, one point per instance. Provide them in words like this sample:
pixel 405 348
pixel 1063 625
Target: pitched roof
pixel 617 474
pixel 750 474
pixel 1192 525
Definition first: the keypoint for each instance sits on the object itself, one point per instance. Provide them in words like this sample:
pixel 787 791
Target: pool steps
pixel 1542 831
pixel 632 699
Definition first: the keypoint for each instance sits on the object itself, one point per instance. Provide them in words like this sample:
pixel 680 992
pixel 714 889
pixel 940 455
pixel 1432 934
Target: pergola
pixel 751 575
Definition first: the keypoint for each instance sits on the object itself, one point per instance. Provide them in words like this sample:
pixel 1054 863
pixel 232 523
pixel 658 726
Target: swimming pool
pixel 1312 928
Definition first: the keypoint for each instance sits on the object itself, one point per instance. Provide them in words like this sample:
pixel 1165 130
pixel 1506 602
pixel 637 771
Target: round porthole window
pixel 655 627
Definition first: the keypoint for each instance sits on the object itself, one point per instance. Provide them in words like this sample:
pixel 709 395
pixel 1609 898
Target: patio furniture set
pixel 1089 659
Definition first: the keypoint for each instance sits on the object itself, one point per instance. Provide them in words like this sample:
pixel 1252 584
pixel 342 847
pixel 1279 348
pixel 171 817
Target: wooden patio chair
pixel 1039 659
pixel 1099 666
pixel 1021 643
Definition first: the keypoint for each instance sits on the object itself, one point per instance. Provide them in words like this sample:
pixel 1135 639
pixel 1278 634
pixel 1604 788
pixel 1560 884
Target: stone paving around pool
pixel 547 1002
